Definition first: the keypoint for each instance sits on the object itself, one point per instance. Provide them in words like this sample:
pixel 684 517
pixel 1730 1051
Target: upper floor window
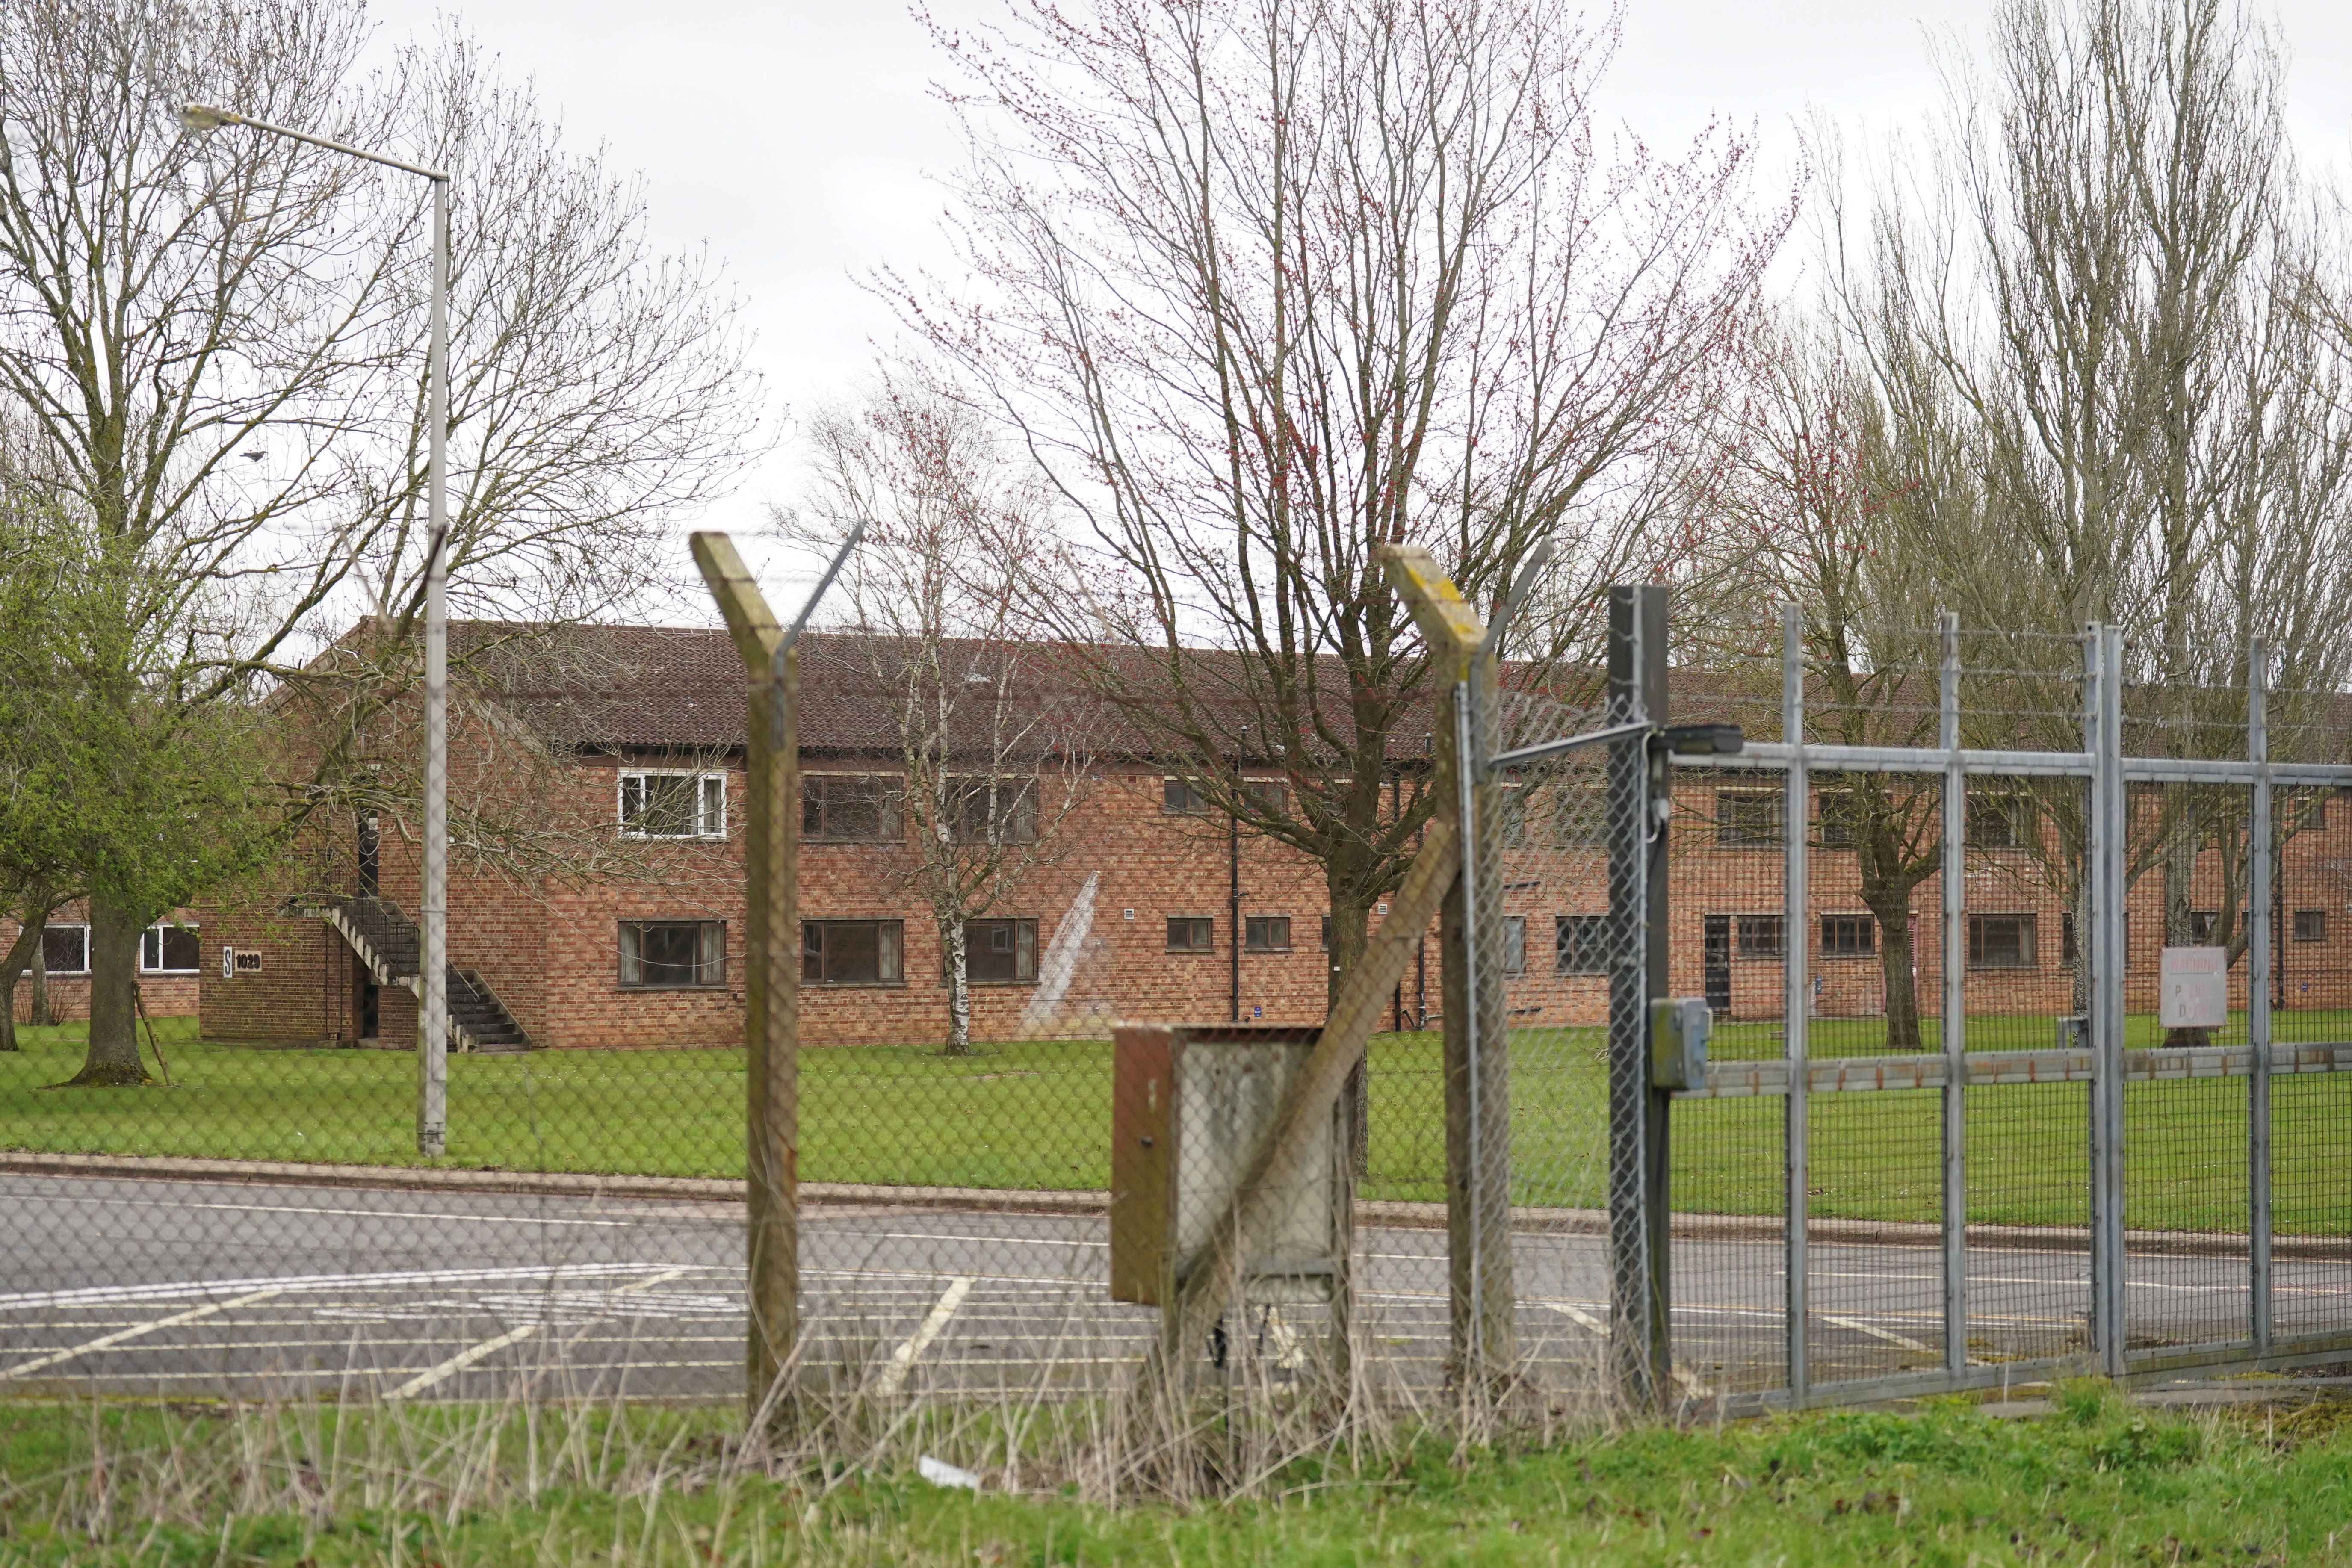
pixel 1269 796
pixel 849 808
pixel 674 805
pixel 992 811
pixel 171 950
pixel 1182 797
pixel 1748 818
pixel 1999 820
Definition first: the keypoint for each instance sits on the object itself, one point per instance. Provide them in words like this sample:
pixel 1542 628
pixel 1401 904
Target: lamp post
pixel 433 1024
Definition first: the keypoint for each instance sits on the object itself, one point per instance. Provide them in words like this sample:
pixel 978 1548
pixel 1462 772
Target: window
pixel 1515 944
pixel 849 808
pixel 1999 821
pixel 1757 936
pixel 2297 810
pixel 1849 936
pixel 1327 933
pixel 171 950
pixel 2204 927
pixel 1748 818
pixel 998 811
pixel 999 952
pixel 674 805
pixel 669 954
pixel 1580 944
pixel 1266 934
pixel 1182 797
pixel 2002 941
pixel 1837 816
pixel 2067 938
pixel 65 950
pixel 2310 925
pixel 1192 933
pixel 1511 815
pixel 1269 796
pixel 853 952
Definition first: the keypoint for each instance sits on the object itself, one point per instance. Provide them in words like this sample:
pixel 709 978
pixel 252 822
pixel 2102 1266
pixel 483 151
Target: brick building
pixel 1135 914
pixel 169 955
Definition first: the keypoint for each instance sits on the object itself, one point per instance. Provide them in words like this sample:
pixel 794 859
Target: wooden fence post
pixel 771 961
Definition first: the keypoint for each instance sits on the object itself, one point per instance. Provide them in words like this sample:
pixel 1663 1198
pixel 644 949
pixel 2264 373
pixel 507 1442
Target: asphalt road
pixel 168 1288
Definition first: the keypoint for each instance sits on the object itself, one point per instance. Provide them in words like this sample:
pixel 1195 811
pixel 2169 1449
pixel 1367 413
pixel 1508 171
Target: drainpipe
pixel 1233 907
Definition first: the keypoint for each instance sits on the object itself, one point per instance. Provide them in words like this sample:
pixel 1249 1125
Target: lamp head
pixel 204 117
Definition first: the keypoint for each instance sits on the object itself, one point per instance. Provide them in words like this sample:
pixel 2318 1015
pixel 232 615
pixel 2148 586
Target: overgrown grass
pixel 1030 1115
pixel 310 1487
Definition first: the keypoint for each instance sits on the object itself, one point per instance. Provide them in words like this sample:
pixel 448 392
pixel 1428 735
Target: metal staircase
pixel 387 941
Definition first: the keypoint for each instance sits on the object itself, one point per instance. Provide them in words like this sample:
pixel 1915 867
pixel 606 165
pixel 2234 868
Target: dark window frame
pixel 1020 937
pixel 2027 945
pixel 1196 925
pixel 2317 921
pixel 1580 944
pixel 817 793
pixel 1181 796
pixel 886 954
pixel 1732 833
pixel 1252 925
pixel 1748 941
pixel 1515 944
pixel 82 930
pixel 709 964
pixel 2012 811
pixel 1849 936
pixel 967 813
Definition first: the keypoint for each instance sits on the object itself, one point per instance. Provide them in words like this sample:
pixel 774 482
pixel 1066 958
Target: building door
pixel 1715 959
pixel 371 859
pixel 370 1010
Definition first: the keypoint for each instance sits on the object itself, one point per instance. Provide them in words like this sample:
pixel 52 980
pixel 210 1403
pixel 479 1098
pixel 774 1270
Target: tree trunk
pixel 1896 960
pixel 113 1058
pixel 951 943
pixel 27 945
pixel 41 1012
pixel 1351 934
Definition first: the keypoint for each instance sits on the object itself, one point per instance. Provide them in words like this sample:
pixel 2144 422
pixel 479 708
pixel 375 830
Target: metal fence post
pixel 1638 1212
pixel 2260 850
pixel 1955 1022
pixel 771 961
pixel 2109 1290
pixel 1795 1002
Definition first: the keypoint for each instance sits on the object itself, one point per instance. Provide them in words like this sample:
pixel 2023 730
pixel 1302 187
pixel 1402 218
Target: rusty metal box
pixel 1190 1107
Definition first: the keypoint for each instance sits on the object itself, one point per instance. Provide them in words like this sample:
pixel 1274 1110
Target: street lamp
pixel 433 1028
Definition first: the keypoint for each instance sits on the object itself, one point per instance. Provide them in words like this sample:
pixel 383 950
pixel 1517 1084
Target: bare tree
pixel 1263 284
pixel 992 745
pixel 216 342
pixel 2106 264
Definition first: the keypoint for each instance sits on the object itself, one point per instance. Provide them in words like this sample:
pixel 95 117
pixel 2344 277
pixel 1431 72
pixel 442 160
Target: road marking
pixel 902 1360
pixel 113 1295
pixel 992 1240
pixel 1889 1335
pixel 1578 1315
pixel 455 1215
pixel 119 1335
pixel 490 1347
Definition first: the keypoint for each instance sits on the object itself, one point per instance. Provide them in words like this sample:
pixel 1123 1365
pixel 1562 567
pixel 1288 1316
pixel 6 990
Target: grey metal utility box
pixel 1190 1106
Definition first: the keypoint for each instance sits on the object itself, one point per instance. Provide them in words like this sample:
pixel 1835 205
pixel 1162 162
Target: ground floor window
pixel 65 950
pixel 999 952
pixel 2001 941
pixel 171 950
pixel 1515 944
pixel 670 954
pixel 1849 936
pixel 1266 934
pixel 1580 944
pixel 853 952
pixel 1756 936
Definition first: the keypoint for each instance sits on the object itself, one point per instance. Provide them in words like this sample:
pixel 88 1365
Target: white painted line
pixel 1889 1335
pixel 989 1240
pixel 1578 1315
pixel 490 1347
pixel 454 1215
pixel 118 1336
pixel 107 1295
pixel 902 1360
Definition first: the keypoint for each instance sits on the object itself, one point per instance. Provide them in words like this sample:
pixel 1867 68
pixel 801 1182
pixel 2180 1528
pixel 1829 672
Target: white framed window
pixel 65 950
pixel 169 950
pixel 672 805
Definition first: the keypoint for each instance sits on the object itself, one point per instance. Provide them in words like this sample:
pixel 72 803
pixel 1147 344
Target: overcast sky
pixel 798 140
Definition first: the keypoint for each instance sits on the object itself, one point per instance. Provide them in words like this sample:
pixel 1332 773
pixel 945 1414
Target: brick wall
pixel 165 995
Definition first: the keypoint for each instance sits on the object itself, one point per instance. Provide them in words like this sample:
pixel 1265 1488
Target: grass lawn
pixel 2096 1484
pixel 1035 1114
